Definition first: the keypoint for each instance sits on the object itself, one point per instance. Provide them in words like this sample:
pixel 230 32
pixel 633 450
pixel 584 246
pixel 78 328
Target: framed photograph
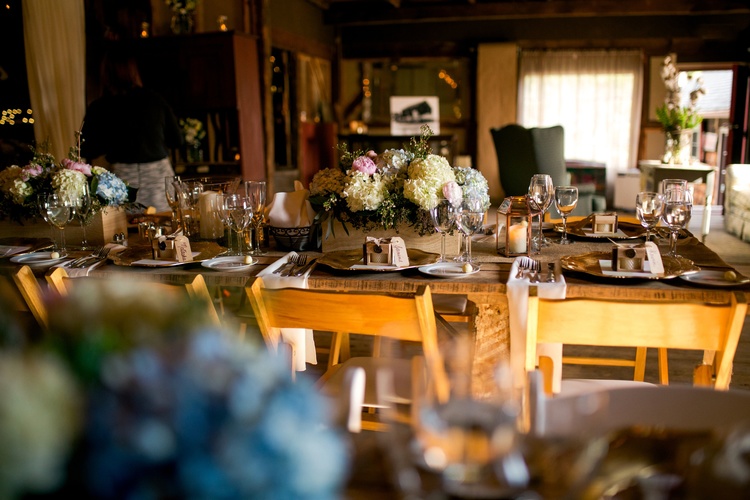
pixel 409 113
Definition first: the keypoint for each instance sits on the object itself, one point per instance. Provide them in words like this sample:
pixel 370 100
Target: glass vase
pixel 182 23
pixel 677 147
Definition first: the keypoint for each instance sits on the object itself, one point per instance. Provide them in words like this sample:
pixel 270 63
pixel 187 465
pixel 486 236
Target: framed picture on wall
pixel 409 113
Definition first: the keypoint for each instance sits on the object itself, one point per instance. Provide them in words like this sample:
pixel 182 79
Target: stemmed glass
pixel 649 207
pixel 225 216
pixel 238 212
pixel 540 190
pixel 82 210
pixel 566 199
pixel 469 219
pixel 256 193
pixel 59 212
pixel 443 218
pixel 171 185
pixel 189 193
pixel 678 206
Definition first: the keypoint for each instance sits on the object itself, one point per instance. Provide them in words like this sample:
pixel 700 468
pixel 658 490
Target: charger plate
pixel 625 231
pixel 589 263
pixel 132 255
pixel 351 260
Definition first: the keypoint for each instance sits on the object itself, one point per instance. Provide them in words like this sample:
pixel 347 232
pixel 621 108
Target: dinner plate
pixel 230 264
pixel 12 246
pixel 447 270
pixel 715 278
pixel 351 260
pixel 37 259
pixel 589 263
pixel 141 256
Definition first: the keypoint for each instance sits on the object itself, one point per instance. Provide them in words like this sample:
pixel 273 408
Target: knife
pixel 305 268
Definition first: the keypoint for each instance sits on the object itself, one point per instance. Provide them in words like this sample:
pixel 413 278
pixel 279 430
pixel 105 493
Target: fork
pixel 524 265
pixel 288 265
pixel 79 260
pixel 301 261
pixel 98 256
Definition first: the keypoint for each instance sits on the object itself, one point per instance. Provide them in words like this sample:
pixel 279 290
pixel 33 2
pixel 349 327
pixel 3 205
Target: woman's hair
pixel 119 72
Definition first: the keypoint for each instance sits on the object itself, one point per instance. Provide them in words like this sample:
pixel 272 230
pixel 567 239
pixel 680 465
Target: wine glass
pixel 649 207
pixel 59 212
pixel 189 193
pixel 566 199
pixel 225 216
pixel 256 193
pixel 172 193
pixel 540 191
pixel 82 212
pixel 443 218
pixel 238 212
pixel 469 219
pixel 678 206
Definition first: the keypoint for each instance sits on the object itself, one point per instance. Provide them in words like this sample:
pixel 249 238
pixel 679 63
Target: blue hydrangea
pixel 111 189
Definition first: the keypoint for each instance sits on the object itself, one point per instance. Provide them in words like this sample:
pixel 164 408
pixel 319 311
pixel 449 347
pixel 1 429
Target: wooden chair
pixel 401 318
pixel 59 281
pixel 617 323
pixel 21 289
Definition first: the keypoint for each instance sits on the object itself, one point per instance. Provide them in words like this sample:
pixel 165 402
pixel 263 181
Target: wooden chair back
pixel 20 288
pixel 407 318
pixel 196 288
pixel 702 326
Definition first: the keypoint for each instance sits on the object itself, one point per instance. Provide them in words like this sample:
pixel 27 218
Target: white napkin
pixel 77 272
pixel 300 339
pixel 518 300
pixel 9 250
pixel 291 209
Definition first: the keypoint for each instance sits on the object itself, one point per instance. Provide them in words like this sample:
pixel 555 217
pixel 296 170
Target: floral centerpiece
pixel 193 132
pixel 391 190
pixel 678 119
pixel 20 187
pixel 158 404
pixel 182 15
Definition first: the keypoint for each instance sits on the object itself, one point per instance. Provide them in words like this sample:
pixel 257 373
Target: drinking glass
pixel 189 193
pixel 238 212
pixel 171 185
pixel 649 207
pixel 82 212
pixel 225 217
pixel 566 199
pixel 256 193
pixel 469 219
pixel 540 190
pixel 443 218
pixel 59 212
pixel 678 206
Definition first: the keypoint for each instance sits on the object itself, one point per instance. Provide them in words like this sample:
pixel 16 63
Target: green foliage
pixel 674 119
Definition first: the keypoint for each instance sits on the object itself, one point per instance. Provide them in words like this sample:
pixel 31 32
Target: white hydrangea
pixel 364 192
pixel 391 161
pixel 69 183
pixel 426 179
pixel 11 182
pixel 473 183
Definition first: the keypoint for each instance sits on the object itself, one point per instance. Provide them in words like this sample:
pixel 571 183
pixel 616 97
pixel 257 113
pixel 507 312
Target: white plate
pixel 36 259
pixel 447 270
pixel 228 264
pixel 712 278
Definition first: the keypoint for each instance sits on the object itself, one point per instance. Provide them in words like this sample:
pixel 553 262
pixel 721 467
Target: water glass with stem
pixel 59 211
pixel 238 212
pixel 678 206
pixel 189 193
pixel 83 212
pixel 469 219
pixel 171 189
pixel 225 217
pixel 541 192
pixel 649 207
pixel 256 193
pixel 443 218
pixel 566 199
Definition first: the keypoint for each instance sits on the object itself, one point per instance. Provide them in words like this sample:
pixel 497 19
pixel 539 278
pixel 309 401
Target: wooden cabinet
pixel 216 78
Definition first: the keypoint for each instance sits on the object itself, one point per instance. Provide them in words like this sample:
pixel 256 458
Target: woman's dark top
pixel 135 127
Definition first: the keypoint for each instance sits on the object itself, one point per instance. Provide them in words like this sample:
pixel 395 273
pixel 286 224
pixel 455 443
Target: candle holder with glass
pixel 517 214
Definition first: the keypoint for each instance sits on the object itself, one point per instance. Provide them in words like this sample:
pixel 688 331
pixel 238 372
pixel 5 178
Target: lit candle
pixel 517 238
pixel 211 226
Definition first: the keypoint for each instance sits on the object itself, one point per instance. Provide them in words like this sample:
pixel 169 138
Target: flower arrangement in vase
pixel 678 119
pixel 20 186
pixel 182 15
pixel 193 132
pixel 391 190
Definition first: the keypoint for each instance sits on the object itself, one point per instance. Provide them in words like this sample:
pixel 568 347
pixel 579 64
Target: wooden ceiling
pixel 700 29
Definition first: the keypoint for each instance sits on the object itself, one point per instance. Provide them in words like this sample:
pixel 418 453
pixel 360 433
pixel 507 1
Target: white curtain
pixel 55 39
pixel 595 95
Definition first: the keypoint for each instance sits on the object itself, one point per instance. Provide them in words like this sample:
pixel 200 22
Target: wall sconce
pixel 222 20
pixel 145 29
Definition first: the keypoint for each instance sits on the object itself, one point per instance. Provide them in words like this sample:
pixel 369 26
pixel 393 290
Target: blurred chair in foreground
pixel 20 288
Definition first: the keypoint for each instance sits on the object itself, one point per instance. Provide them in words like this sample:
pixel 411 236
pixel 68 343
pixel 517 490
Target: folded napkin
pixel 301 339
pixel 518 302
pixel 291 209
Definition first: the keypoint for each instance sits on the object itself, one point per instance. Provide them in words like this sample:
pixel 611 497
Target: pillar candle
pixel 517 238
pixel 211 226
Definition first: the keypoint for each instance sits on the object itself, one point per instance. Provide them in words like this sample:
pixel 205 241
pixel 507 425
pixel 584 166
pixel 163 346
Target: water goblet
pixel 256 192
pixel 83 212
pixel 171 189
pixel 238 212
pixel 649 207
pixel 541 191
pixel 59 211
pixel 469 219
pixel 678 206
pixel 189 193
pixel 566 199
pixel 443 218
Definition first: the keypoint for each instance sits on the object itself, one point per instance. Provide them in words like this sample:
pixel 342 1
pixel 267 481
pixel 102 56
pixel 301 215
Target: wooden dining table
pixel 486 288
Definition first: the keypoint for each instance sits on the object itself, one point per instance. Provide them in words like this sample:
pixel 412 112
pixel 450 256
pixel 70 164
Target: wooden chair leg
pixel 663 367
pixel 547 368
pixel 703 375
pixel 639 373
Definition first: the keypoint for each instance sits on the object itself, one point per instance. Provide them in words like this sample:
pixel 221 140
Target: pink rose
pixel 365 165
pixel 30 171
pixel 84 168
pixel 453 192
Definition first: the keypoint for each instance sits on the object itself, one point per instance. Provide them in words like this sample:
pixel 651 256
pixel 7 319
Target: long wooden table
pixel 486 289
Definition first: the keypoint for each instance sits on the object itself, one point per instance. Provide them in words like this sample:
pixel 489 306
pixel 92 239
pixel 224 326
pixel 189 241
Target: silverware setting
pixel 303 269
pixel 98 256
pixel 300 262
pixel 290 263
pixel 528 267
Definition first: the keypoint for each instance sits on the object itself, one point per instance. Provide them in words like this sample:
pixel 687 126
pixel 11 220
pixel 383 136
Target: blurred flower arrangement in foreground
pixel 135 396
pixel 390 190
pixel 21 186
